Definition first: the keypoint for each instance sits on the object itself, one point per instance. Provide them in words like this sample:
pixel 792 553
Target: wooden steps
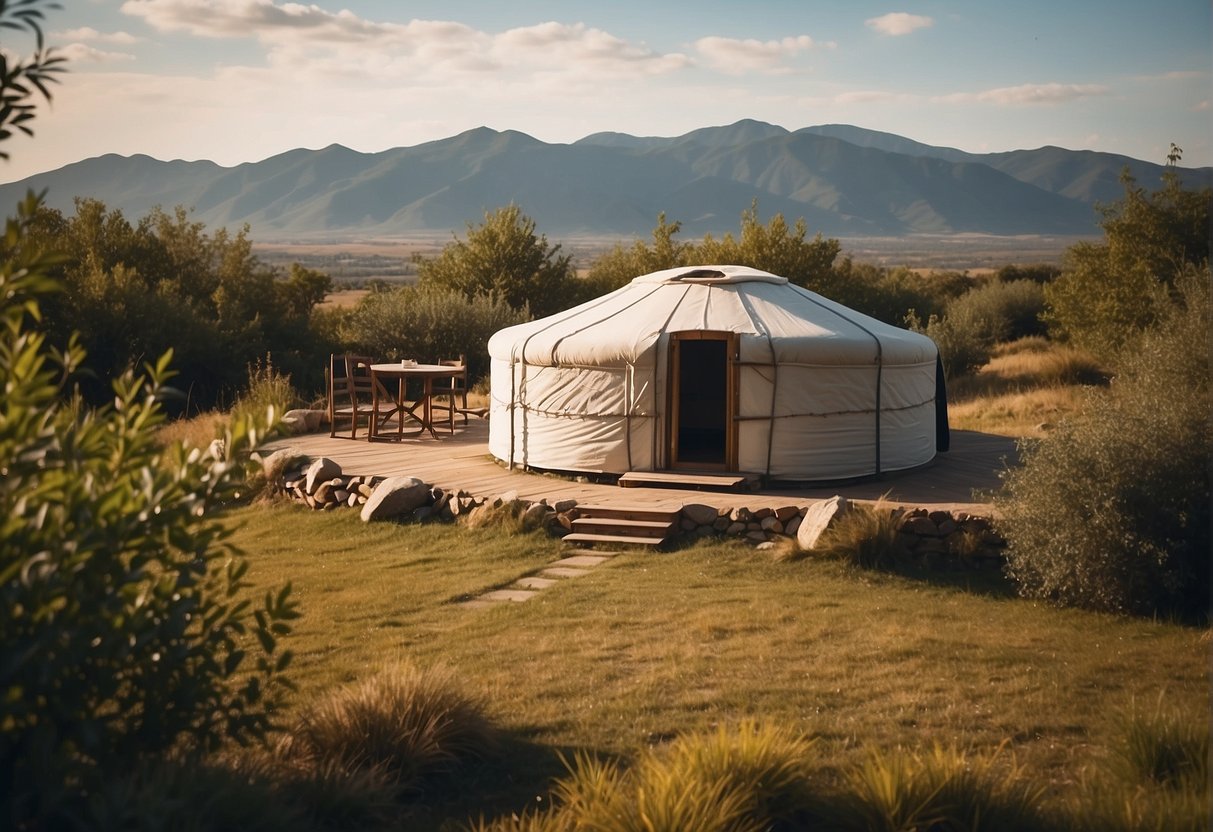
pixel 635 526
pixel 687 479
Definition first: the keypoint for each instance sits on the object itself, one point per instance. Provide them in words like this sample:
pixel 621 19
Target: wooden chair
pixel 350 392
pixel 448 394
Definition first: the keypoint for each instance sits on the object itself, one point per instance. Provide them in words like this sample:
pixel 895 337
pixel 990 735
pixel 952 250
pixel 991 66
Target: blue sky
pixel 241 80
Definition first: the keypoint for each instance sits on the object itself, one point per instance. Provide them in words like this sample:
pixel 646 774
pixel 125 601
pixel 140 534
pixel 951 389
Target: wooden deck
pixel 957 480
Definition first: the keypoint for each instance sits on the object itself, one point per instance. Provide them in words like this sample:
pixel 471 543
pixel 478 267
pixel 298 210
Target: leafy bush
pixel 428 323
pixel 504 257
pixel 1003 311
pixel 1110 291
pixel 408 724
pixel 124 631
pixel 1113 511
pixel 774 247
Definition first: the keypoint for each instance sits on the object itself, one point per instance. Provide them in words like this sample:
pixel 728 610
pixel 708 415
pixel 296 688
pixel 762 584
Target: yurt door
pixel 702 391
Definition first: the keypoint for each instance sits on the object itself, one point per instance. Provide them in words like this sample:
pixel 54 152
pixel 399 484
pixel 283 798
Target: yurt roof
pixel 775 319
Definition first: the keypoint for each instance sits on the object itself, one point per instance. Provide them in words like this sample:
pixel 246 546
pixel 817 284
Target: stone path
pixel 574 564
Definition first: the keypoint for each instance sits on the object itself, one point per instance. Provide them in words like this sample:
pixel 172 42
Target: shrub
pixel 1002 311
pixel 1112 512
pixel 961 339
pixel 409 724
pixel 124 631
pixel 428 323
pixel 942 790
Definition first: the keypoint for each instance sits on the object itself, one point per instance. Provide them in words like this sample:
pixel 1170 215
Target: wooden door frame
pixel 732 393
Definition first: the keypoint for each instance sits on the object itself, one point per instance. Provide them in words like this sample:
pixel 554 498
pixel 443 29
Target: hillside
pixel 843 180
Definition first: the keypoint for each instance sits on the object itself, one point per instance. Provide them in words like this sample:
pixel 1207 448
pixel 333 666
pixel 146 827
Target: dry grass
pixel 195 432
pixel 652 646
pixel 1025 390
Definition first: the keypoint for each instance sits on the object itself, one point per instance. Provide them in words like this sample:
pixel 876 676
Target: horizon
pixel 236 82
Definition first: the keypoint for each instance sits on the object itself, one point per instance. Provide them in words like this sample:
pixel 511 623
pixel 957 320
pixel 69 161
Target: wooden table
pixel 383 374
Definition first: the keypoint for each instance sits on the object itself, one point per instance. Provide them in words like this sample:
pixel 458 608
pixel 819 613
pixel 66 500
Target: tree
pixel 620 265
pixel 124 632
pixel 776 248
pixel 1109 292
pixel 504 257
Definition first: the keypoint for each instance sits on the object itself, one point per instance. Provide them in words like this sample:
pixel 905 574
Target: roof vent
pixel 701 274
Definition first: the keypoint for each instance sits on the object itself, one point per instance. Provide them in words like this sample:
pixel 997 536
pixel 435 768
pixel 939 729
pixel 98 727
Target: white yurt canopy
pixel 713 367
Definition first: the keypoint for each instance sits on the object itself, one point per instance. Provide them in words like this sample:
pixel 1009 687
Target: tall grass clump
pixel 733 780
pixel 1112 512
pixel 864 536
pixel 1165 748
pixel 409 725
pixel 267 389
pixel 943 790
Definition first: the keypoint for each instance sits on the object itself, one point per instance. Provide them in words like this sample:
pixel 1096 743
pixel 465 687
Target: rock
pixel 786 513
pixel 754 527
pixel 771 524
pixel 324 491
pixel 940 516
pixel 281 467
pixel 818 518
pixel 294 422
pixel 766 545
pixel 352 499
pixel 366 489
pixel 921 526
pixel 700 514
pixel 321 470
pixel 740 514
pixel 395 496
pixel 506 499
pixel 536 515
pixel 721 524
pixel 762 514
pixel 946 527
pixel 792 526
pixel 735 529
pixel 687 524
pixel 422 513
pixel 564 505
pixel 756 537
pixel 341 495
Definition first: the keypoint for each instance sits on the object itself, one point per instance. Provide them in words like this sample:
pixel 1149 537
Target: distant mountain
pixel 843 180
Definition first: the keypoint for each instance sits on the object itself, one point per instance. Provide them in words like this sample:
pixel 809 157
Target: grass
pixel 1025 389
pixel 651 647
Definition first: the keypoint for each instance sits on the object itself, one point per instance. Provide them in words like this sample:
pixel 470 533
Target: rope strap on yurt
pixel 766 333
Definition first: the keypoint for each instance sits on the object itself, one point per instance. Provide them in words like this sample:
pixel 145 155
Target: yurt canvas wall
pixel 713 367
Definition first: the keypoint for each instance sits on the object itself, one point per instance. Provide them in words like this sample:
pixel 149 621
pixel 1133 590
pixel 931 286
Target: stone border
pixel 937 539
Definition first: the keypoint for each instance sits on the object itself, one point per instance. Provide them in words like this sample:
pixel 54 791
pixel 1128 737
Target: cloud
pixel 1027 95
pixel 736 57
pixel 309 37
pixel 83 53
pixel 865 97
pixel 88 33
pixel 1201 106
pixel 896 24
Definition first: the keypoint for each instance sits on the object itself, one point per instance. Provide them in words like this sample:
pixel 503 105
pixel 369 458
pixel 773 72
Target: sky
pixel 241 80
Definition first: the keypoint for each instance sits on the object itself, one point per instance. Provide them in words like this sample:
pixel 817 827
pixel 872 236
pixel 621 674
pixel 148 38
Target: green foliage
pixel 19 78
pixel 136 290
pixel 1109 292
pixel 124 628
pixel 503 257
pixel 979 319
pixel 407 724
pixel 618 266
pixel 427 323
pixel 1113 511
pixel 775 248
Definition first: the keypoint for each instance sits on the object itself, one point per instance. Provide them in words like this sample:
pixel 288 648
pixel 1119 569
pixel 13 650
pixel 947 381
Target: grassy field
pixel 648 647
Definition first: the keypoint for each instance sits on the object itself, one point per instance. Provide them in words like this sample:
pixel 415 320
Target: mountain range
pixel 843 180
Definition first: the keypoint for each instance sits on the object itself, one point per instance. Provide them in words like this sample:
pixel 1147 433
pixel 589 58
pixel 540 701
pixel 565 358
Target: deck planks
pixel 960 479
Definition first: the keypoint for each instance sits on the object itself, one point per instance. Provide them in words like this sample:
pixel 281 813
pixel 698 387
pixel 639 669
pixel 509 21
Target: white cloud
pixel 83 53
pixel 1201 106
pixel 896 24
pixel 1028 95
pixel 88 33
pixel 311 38
pixel 735 56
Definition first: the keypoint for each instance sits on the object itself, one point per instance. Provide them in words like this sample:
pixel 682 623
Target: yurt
pixel 715 368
